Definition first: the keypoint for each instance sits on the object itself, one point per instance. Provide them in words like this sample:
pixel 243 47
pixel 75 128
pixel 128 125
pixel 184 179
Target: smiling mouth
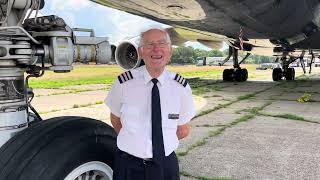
pixel 156 57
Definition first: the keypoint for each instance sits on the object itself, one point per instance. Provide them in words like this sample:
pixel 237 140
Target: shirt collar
pixel 147 77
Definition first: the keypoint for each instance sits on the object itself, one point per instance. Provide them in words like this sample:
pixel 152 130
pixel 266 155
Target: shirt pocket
pixel 171 112
pixel 130 117
pixel 170 119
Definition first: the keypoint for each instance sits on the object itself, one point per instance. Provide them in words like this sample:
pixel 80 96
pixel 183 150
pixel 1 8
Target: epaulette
pixel 181 80
pixel 126 76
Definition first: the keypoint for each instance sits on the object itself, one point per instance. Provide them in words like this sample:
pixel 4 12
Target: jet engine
pixel 126 54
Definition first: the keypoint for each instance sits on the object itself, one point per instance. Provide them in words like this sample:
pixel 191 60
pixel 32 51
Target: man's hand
pixel 116 123
pixel 183 131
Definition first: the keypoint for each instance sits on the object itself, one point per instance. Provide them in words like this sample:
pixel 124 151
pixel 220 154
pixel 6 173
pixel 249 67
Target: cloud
pixel 67 9
pixel 124 25
pixel 68 5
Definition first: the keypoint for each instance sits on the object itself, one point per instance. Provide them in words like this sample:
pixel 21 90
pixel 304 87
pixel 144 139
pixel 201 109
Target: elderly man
pixel 150 108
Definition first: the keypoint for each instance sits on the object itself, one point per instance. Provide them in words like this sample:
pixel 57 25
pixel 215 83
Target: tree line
pixel 188 55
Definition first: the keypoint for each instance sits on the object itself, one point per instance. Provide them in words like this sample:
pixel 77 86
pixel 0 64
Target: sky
pixel 106 22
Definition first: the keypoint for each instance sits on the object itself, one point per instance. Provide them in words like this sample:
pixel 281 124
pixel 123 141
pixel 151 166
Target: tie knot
pixel 154 80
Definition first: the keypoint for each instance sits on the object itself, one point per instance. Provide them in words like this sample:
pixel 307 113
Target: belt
pixel 132 157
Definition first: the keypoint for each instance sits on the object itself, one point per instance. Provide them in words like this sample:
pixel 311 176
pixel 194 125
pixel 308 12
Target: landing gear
pixel 228 74
pixel 285 71
pixel 65 148
pixel 290 74
pixel 277 74
pixel 236 73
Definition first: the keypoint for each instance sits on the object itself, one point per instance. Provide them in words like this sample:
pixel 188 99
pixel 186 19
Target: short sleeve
pixel 114 98
pixel 187 110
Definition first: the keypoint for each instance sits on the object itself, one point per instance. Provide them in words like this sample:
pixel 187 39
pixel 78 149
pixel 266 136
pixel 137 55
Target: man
pixel 150 110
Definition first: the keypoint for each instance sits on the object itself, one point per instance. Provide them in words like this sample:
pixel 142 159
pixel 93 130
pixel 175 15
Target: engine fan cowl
pixel 127 55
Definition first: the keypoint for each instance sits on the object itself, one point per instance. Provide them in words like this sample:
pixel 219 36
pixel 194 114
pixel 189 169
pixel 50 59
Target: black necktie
pixel 155 172
pixel 157 137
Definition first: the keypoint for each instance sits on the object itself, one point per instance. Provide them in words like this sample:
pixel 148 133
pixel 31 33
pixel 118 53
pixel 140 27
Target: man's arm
pixel 183 131
pixel 116 123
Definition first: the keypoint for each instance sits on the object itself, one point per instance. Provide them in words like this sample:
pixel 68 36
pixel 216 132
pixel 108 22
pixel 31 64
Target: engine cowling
pixel 126 54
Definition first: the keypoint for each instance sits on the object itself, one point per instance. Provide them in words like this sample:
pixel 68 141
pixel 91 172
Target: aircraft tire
pixel 55 148
pixel 276 74
pixel 290 75
pixel 227 74
pixel 244 73
pixel 238 75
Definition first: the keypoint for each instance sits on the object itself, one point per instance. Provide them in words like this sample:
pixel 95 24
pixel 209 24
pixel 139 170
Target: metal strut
pixel 303 65
pixel 247 55
pixel 312 61
pixel 236 73
pixel 235 58
pixel 228 57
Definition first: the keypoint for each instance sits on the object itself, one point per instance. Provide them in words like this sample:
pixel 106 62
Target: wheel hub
pixel 93 170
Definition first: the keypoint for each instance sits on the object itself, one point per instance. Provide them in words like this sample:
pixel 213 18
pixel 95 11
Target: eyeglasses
pixel 158 44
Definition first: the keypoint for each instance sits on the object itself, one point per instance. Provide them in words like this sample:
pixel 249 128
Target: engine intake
pixel 127 56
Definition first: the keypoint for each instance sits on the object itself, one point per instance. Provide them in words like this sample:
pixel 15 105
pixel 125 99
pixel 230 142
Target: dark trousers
pixel 128 167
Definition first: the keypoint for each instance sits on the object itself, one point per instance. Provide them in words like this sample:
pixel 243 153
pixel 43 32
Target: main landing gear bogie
pixel 278 74
pixel 238 75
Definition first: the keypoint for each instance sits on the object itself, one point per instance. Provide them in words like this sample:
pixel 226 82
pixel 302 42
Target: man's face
pixel 155 50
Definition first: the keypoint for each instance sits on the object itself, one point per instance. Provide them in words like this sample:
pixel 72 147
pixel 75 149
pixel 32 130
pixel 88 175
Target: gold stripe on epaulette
pixel 181 80
pixel 126 76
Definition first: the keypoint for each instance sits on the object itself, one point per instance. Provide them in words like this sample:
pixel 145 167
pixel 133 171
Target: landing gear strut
pixel 236 73
pixel 285 71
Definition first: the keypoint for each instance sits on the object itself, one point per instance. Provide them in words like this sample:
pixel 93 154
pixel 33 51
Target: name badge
pixel 173 116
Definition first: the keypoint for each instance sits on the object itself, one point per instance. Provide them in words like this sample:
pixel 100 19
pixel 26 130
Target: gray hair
pixel 157 28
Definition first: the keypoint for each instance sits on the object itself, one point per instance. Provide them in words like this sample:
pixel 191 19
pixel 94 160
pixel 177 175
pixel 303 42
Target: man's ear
pixel 170 51
pixel 140 51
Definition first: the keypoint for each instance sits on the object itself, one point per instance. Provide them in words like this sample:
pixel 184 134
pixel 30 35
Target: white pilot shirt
pixel 131 101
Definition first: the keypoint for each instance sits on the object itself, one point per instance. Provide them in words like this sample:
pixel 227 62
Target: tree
pixel 215 53
pixel 200 53
pixel 183 55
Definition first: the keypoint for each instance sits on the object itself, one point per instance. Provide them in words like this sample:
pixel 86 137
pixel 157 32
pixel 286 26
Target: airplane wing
pixel 266 24
pixel 283 28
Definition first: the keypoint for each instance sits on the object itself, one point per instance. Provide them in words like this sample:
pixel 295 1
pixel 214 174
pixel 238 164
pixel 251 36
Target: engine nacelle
pixel 127 55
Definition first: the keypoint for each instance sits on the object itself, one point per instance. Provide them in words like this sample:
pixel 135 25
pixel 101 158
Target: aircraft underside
pixel 282 28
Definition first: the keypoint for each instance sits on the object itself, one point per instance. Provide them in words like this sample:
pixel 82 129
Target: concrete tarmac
pixel 252 130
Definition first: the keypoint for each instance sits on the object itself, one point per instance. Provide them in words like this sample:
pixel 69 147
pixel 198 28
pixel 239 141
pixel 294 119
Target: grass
pixel 304 98
pixel 82 74
pixel 204 125
pixel 214 133
pixel 71 92
pixel 288 116
pixel 247 96
pixel 73 107
pixel 57 83
pixel 220 106
pixel 240 98
pixel 106 74
pixel 303 77
pixel 253 112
